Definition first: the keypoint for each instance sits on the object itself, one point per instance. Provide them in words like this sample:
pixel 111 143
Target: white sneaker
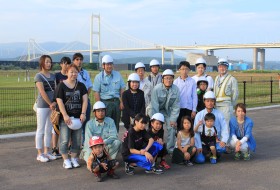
pixel 50 156
pixel 67 164
pixel 75 162
pixel 42 158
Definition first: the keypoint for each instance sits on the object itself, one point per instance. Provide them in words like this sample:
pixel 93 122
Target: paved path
pixel 20 170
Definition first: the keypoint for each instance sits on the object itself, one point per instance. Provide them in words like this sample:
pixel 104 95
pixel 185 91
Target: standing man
pixel 84 78
pixel 188 95
pixel 108 87
pixel 200 67
pixel 145 84
pixel 103 127
pixel 166 100
pixel 220 123
pixel 155 76
pixel 226 90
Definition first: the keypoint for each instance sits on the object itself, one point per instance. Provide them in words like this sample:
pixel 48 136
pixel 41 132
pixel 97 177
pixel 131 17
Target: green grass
pixel 17 98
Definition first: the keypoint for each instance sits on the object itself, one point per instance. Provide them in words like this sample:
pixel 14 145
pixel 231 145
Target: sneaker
pixel 155 171
pixel 213 160
pixel 50 156
pixel 112 174
pixel 75 162
pixel 246 156
pixel 67 164
pixel 237 156
pixel 98 177
pixel 42 158
pixel 188 163
pixel 164 165
pixel 129 170
pixel 56 153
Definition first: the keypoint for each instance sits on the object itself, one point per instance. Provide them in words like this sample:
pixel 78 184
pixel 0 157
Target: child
pixel 133 100
pixel 156 131
pixel 202 85
pixel 184 148
pixel 208 135
pixel 99 160
pixel 242 139
pixel 139 148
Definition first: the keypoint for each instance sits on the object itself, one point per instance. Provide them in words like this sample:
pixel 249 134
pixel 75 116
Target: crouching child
pixel 139 148
pixel 100 161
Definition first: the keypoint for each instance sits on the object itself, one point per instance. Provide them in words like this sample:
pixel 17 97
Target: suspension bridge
pixel 104 37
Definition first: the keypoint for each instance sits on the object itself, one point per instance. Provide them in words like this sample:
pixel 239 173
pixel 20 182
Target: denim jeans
pixel 88 112
pixel 67 134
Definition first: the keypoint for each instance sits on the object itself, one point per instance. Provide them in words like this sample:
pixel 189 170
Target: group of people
pixel 196 112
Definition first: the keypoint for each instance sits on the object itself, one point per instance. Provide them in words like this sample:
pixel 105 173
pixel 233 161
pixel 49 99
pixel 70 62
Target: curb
pixel 29 134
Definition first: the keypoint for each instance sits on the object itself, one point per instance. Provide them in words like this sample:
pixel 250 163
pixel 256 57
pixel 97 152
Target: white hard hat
pixel 99 105
pixel 107 59
pixel 223 61
pixel 202 79
pixel 158 116
pixel 154 62
pixel 76 123
pixel 139 65
pixel 200 61
pixel 209 95
pixel 168 72
pixel 133 77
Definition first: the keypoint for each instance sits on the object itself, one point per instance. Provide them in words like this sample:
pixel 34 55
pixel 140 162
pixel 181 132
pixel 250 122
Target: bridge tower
pixel 31 50
pixel 94 30
pixel 255 58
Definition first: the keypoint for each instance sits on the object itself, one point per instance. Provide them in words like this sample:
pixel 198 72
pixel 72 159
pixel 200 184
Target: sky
pixel 163 22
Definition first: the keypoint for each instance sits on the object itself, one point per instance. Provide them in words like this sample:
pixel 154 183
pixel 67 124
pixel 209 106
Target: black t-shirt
pixel 74 105
pixel 134 140
pixel 59 77
pixel 156 136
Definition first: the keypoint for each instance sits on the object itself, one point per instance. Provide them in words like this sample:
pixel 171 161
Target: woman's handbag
pixel 55 115
pixel 35 106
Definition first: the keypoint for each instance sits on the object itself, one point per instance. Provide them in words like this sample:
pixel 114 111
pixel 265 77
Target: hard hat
pixel 76 123
pixel 154 62
pixel 199 158
pixel 158 116
pixel 219 148
pixel 223 61
pixel 139 65
pixel 200 61
pixel 202 79
pixel 107 59
pixel 133 77
pixel 209 95
pixel 98 105
pixel 168 72
pixel 95 140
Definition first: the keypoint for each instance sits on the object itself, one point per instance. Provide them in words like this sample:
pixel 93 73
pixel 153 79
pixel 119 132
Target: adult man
pixel 200 67
pixel 145 84
pixel 104 127
pixel 220 123
pixel 226 90
pixel 84 78
pixel 188 95
pixel 166 100
pixel 155 76
pixel 108 87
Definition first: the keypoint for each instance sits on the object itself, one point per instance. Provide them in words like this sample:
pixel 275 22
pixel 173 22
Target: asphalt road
pixel 20 170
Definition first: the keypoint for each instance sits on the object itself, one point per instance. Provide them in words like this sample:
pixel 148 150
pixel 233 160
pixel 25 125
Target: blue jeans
pixel 67 134
pixel 87 119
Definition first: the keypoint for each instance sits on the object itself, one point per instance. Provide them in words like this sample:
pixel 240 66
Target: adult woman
pixel 45 83
pixel 242 139
pixel 72 102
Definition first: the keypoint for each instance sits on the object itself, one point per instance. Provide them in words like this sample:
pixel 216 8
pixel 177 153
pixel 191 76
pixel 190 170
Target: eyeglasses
pixel 168 78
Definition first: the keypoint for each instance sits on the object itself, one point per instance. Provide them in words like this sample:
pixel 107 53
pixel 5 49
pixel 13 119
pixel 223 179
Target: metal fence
pixel 17 115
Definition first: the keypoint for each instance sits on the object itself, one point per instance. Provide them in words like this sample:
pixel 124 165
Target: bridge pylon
pixel 94 30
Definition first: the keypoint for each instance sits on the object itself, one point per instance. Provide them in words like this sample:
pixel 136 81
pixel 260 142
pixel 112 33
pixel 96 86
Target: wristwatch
pixel 83 113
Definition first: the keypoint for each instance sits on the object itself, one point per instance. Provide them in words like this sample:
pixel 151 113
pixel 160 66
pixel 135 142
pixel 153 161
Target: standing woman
pixel 45 83
pixel 72 101
pixel 133 100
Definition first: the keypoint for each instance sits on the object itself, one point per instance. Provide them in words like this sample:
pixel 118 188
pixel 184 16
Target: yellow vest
pixel 220 90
